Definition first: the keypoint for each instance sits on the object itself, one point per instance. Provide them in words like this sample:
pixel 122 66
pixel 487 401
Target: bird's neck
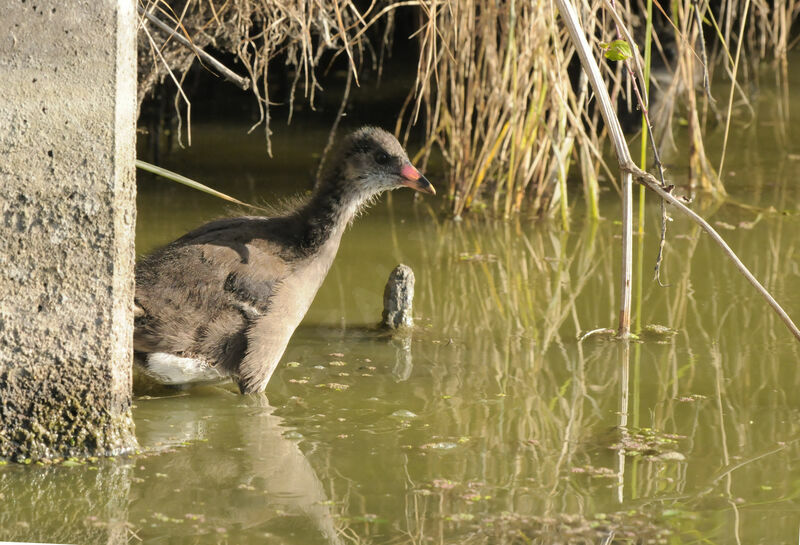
pixel 325 217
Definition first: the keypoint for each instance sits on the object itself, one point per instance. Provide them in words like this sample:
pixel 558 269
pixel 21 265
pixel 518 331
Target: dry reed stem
pixel 493 85
pixel 651 183
pixel 628 168
pixel 256 31
pixel 221 68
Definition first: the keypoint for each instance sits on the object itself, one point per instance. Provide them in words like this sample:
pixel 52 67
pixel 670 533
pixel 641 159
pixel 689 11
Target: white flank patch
pixel 172 369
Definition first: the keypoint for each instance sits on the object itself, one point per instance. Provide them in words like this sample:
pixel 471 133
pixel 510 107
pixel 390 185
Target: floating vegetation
pixel 657 333
pixel 476 258
pixel 460 517
pixel 440 445
pixel 648 443
pixel 366 517
pixel 692 398
pixel 161 517
pixel 632 526
pixel 443 484
pixel 334 386
pixel 471 491
pixel 593 471
pixel 404 414
pixel 725 225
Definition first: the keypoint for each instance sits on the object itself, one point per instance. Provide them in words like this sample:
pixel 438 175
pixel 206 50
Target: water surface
pixel 492 422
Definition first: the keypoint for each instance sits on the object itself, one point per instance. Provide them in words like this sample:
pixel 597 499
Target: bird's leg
pixel 267 338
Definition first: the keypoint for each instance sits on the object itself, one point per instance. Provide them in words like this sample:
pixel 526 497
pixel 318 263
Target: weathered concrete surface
pixel 398 298
pixel 67 215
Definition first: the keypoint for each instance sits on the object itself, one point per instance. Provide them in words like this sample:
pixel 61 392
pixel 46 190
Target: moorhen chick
pixel 223 300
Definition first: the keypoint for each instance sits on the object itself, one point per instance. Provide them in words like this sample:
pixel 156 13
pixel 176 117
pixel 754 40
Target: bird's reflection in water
pixel 232 468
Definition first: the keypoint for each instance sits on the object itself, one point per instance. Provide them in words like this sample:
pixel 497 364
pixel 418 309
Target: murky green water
pixel 493 423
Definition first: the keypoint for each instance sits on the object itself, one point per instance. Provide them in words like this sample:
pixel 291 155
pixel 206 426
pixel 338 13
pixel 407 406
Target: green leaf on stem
pixel 618 50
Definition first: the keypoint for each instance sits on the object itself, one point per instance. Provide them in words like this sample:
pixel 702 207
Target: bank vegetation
pixel 498 90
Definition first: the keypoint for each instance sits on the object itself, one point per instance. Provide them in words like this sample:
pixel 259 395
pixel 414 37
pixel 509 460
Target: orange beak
pixel 413 179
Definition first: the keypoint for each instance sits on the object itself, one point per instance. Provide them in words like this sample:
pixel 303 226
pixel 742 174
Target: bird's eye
pixel 382 158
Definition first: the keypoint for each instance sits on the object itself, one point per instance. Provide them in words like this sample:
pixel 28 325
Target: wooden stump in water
pixel 398 297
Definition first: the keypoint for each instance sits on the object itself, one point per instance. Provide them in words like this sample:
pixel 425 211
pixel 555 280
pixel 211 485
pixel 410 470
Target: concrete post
pixel 67 217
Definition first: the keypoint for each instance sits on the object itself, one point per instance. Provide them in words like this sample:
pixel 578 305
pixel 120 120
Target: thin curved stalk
pixel 623 156
pixel 733 87
pixel 650 182
pixel 630 170
pixel 175 177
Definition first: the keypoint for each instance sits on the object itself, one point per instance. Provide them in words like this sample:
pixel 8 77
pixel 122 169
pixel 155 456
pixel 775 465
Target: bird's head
pixel 371 161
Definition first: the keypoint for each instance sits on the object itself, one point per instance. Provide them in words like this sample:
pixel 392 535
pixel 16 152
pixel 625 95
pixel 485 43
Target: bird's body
pixel 223 300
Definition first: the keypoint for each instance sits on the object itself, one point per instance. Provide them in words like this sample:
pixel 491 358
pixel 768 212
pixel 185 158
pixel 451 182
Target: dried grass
pixel 256 32
pixel 504 111
pixel 509 119
pixel 494 89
